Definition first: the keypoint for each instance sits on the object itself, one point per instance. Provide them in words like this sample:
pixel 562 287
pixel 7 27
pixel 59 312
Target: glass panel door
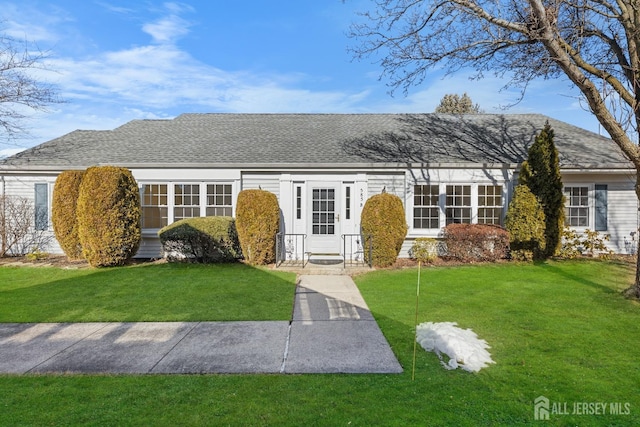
pixel 323 211
pixel 323 217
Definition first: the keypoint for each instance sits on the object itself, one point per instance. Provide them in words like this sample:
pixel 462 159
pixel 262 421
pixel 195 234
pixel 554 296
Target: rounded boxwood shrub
pixel 209 239
pixel 425 249
pixel 476 242
pixel 108 216
pixel 383 219
pixel 258 222
pixel 63 212
pixel 526 224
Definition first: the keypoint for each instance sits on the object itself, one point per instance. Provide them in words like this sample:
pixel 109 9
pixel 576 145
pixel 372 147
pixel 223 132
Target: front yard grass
pixel 145 292
pixel 557 329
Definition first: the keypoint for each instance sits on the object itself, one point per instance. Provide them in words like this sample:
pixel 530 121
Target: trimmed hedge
pixel 383 218
pixel 212 239
pixel 63 212
pixel 476 242
pixel 109 216
pixel 258 222
pixel 526 224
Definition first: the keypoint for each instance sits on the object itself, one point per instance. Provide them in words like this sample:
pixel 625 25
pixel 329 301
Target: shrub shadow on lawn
pixel 146 292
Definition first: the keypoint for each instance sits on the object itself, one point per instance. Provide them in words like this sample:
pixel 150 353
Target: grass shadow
pixel 162 292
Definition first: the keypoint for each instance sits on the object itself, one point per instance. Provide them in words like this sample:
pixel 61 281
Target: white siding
pixel 622 207
pixel 265 180
pixel 391 183
pixel 623 218
pixel 24 186
pixel 150 247
pixel 622 201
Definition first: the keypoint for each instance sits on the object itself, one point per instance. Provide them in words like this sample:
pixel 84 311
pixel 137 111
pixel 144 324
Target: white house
pixel 323 167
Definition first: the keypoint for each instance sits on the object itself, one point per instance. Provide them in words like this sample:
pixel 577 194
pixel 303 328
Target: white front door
pixel 324 209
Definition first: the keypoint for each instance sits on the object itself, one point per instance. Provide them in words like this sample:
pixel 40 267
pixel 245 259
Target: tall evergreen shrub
pixel 383 218
pixel 258 222
pixel 63 212
pixel 109 216
pixel 526 225
pixel 541 173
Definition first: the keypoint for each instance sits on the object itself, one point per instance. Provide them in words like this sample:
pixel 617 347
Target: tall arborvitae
pixel 63 212
pixel 541 173
pixel 109 215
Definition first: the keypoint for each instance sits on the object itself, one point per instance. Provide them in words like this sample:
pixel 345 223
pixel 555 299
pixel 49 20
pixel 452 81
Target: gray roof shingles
pixel 320 139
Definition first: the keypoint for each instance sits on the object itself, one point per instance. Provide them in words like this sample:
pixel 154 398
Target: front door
pixel 324 218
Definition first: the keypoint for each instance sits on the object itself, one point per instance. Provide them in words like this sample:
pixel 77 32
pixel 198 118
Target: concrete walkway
pixel 331 331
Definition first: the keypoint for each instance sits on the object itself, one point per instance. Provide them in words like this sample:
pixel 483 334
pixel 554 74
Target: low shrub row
pixel 476 242
pixel 212 239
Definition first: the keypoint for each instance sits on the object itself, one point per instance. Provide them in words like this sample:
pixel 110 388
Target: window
pixel 41 220
pixel 577 206
pixel 601 207
pixel 323 211
pixel 458 204
pixel 347 213
pixel 298 202
pixel 186 201
pixel 219 200
pixel 426 209
pixel 154 206
pixel 490 204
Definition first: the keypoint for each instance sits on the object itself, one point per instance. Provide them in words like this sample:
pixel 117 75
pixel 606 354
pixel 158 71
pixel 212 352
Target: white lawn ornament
pixel 463 347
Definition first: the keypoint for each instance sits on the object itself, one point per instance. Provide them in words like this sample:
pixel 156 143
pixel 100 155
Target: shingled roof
pixel 261 140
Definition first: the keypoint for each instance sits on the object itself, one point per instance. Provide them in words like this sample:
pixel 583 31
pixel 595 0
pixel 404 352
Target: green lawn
pixel 558 329
pixel 145 292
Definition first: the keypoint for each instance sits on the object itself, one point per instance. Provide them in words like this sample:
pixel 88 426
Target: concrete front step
pixel 324 270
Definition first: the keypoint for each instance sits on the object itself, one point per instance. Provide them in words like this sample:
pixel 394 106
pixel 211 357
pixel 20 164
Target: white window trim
pixel 411 206
pixel 591 204
pixel 437 232
pixel 49 185
pixel 202 194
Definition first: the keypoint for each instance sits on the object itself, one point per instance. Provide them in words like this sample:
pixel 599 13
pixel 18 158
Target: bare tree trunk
pixel 636 284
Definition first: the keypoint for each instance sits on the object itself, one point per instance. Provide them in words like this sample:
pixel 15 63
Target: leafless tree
pixel 593 43
pixel 19 233
pixel 20 91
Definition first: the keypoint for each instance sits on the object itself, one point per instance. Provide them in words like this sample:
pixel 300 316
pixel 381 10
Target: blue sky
pixel 115 61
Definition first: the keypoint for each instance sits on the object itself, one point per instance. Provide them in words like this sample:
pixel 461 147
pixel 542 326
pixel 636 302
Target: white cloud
pixel 171 27
pixel 160 80
pixel 32 24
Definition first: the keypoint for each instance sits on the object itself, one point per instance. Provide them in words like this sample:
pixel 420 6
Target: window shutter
pixel 601 207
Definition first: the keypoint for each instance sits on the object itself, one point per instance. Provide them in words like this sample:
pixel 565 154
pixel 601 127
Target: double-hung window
pixel 186 201
pixel 458 204
pixel 490 204
pixel 154 205
pixel 576 206
pixel 426 206
pixel 164 203
pixel 219 200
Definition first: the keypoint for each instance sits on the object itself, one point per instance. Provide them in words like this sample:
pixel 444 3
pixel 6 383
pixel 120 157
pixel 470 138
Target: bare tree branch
pixel 593 43
pixel 20 91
